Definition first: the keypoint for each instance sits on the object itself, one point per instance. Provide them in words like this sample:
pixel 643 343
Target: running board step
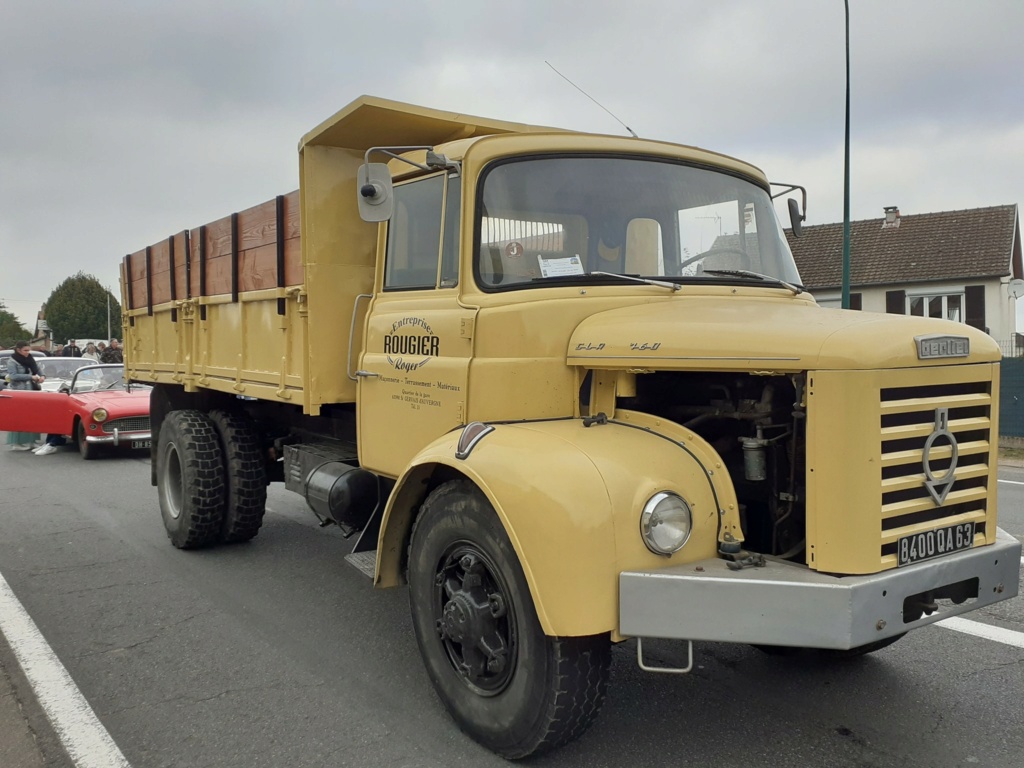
pixel 365 562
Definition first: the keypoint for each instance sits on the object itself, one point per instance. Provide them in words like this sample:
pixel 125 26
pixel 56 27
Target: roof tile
pixel 948 245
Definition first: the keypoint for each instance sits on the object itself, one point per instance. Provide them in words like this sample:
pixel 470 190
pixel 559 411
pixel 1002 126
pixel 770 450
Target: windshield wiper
pixel 796 289
pixel 644 280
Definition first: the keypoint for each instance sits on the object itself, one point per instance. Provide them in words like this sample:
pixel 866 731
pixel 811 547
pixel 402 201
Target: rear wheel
pixel 508 685
pixel 245 474
pixel 190 479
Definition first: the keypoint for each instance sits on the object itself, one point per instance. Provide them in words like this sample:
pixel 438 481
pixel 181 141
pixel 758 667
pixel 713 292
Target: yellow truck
pixel 566 387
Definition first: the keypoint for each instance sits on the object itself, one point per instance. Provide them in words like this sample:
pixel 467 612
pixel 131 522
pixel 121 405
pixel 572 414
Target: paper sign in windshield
pixel 570 265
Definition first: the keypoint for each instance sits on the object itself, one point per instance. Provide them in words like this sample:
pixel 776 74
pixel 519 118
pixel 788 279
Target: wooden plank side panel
pixel 257 267
pixel 293 272
pixel 160 263
pixel 257 258
pixel 257 226
pixel 257 231
pixel 137 275
pixel 180 271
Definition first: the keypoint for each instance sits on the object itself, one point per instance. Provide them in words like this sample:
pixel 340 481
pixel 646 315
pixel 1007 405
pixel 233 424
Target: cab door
pixel 414 367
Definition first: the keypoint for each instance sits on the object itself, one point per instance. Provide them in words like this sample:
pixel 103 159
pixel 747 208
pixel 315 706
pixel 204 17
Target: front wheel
pixel 507 685
pixel 85 449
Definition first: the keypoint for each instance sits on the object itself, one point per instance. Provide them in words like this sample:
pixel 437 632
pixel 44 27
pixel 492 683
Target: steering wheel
pixel 718 251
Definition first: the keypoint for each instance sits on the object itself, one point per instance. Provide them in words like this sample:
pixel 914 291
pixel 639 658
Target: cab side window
pixel 422 237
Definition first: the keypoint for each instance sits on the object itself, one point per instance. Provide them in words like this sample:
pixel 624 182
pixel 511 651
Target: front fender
pixel 570 499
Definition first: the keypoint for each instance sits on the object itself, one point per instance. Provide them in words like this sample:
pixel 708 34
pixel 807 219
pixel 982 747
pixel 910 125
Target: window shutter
pixel 896 302
pixel 974 296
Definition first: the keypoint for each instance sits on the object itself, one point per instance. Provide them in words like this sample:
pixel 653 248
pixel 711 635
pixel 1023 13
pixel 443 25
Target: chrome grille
pixel 912 418
pixel 128 424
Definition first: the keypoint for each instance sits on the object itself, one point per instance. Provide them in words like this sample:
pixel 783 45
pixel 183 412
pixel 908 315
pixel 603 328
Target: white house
pixel 961 265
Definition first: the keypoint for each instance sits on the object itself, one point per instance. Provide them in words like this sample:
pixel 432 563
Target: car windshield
pixel 61 367
pixel 549 221
pixel 95 378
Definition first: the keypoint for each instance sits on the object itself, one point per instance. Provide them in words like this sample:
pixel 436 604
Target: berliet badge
pixel 938 487
pixel 942 345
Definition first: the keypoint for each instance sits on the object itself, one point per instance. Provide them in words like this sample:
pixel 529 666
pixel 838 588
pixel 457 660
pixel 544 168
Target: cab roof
pixel 370 121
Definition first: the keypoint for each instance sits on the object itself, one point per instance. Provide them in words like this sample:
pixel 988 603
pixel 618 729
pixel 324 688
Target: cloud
pixel 126 121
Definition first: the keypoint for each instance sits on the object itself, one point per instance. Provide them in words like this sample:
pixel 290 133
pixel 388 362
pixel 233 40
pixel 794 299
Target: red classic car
pixel 97 408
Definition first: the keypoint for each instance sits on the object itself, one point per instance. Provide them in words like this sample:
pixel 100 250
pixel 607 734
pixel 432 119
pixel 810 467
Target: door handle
pixel 352 335
pixel 366 374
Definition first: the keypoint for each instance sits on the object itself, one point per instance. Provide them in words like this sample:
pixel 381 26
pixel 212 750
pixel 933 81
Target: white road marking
pixel 986 631
pixel 86 740
pixel 1012 482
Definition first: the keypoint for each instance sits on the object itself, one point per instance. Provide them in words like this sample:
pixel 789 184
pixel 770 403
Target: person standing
pixel 22 373
pixel 113 353
pixel 72 349
pixel 91 353
pixel 58 351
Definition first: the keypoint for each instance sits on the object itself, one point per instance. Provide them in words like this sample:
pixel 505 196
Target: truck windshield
pixel 552 220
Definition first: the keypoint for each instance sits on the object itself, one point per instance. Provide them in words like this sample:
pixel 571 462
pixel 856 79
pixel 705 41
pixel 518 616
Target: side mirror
pixel 65 388
pixel 374 192
pixel 795 217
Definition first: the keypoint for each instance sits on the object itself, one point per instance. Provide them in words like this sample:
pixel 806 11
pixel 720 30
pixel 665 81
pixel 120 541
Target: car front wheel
pixel 85 450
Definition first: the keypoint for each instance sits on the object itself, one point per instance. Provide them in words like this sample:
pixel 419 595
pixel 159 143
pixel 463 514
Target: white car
pixel 59 370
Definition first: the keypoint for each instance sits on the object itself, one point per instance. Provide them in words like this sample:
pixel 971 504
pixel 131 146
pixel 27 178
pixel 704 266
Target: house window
pixel 945 306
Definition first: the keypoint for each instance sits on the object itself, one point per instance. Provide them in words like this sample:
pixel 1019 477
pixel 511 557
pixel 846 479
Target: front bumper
pixel 789 604
pixel 117 438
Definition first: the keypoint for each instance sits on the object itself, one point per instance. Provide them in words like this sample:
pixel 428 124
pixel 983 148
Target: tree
pixel 77 309
pixel 11 329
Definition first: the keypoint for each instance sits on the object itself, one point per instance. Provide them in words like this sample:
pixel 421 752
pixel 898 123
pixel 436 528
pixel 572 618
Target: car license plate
pixel 941 541
pixel 141 443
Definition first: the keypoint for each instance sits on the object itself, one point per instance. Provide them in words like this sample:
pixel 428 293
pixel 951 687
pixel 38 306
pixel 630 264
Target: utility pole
pixel 846 173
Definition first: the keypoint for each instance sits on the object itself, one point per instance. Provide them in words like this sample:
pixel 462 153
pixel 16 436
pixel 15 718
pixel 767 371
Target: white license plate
pixel 941 541
pixel 141 443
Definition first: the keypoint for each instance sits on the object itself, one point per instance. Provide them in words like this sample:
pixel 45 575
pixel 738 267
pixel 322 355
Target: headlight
pixel 665 523
pixel 100 415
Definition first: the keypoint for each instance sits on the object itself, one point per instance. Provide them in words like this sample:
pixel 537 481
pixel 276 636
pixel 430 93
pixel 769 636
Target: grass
pixel 1013 454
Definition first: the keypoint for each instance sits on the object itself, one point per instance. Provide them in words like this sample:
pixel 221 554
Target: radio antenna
pixel 602 106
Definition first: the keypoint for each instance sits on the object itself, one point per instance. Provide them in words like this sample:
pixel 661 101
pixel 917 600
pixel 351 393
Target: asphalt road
pixel 277 653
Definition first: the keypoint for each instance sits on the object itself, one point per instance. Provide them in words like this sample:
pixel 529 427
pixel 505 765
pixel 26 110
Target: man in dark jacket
pixel 72 350
pixel 113 353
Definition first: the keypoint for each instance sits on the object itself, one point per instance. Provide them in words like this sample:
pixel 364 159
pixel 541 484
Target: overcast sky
pixel 124 121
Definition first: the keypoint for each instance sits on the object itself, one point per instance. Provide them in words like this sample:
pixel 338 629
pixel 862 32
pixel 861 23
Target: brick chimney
pixel 892 217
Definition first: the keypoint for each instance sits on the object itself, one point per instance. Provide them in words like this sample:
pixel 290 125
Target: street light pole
pixel 108 314
pixel 846 173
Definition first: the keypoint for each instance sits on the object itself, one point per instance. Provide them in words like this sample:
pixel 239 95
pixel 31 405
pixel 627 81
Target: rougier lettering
pixel 412 345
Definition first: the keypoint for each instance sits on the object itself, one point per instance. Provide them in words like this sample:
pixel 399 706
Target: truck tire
pixel 245 474
pixel 190 479
pixel 507 685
